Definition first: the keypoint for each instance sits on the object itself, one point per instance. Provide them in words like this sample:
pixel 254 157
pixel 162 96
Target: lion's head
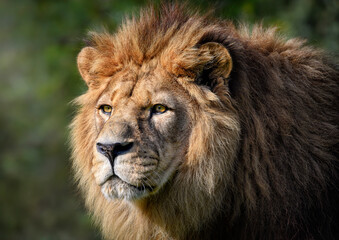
pixel 151 125
pixel 186 129
pixel 144 120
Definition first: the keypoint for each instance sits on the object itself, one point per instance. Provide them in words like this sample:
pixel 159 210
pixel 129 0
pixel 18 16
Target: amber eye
pixel 158 108
pixel 106 109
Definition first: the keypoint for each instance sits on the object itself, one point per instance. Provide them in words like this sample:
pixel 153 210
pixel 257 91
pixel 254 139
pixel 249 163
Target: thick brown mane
pixel 282 95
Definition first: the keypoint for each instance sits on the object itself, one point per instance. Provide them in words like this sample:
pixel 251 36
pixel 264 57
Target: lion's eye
pixel 158 108
pixel 106 109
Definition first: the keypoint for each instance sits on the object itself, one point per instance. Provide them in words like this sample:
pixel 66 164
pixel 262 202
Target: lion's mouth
pixel 143 187
pixel 115 187
pixel 130 177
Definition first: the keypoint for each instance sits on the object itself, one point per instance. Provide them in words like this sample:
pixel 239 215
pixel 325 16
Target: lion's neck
pixel 129 221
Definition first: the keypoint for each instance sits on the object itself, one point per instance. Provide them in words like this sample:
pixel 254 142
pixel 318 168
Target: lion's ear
pixel 216 64
pixel 221 62
pixel 85 61
pixel 209 64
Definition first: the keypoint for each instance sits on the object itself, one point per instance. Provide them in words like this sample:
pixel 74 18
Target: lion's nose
pixel 112 150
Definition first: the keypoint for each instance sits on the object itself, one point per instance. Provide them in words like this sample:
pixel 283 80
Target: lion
pixel 193 128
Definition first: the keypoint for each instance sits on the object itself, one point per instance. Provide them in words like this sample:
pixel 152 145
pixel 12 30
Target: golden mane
pixel 277 123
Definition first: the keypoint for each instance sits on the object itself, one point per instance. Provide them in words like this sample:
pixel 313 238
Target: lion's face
pixel 142 123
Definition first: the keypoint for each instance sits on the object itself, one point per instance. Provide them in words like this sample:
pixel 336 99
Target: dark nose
pixel 112 150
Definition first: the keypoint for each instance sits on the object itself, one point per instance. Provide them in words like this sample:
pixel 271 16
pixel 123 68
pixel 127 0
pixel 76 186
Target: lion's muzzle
pixel 112 150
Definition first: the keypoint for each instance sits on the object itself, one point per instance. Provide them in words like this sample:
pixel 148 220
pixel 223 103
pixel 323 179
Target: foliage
pixel 39 42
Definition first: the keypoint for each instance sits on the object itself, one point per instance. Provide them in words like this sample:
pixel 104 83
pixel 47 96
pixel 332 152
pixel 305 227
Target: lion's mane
pixel 283 99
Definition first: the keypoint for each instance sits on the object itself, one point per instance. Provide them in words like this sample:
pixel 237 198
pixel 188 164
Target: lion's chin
pixel 115 188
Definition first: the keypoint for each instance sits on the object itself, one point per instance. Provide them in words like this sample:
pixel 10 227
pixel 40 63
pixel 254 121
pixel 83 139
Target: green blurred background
pixel 39 42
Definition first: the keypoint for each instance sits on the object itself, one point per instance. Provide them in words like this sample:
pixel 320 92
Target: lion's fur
pixel 276 124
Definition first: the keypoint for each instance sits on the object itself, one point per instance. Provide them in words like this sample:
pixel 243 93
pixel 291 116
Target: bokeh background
pixel 39 42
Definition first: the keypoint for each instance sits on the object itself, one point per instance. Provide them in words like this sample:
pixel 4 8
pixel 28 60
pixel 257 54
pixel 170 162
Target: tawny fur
pixel 262 160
